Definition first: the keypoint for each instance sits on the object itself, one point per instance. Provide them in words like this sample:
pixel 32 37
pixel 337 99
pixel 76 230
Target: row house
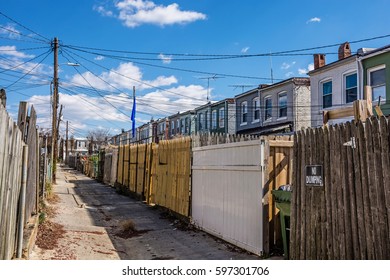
pixel 277 108
pixel 217 117
pixel 223 116
pixel 338 84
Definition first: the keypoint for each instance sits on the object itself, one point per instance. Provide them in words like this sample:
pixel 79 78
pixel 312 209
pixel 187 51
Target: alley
pixel 94 222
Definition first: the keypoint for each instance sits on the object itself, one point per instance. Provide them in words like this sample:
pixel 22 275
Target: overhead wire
pixel 135 80
pixel 45 39
pixel 28 72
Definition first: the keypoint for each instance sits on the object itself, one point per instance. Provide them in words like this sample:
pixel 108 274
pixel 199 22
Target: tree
pixel 97 138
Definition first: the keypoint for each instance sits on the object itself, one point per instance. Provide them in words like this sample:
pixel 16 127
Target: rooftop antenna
pixel 214 77
pixel 242 87
pixel 272 72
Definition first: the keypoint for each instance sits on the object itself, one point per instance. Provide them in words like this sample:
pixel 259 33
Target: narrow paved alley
pixel 91 220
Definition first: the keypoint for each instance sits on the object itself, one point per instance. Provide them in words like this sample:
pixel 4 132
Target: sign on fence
pixel 314 177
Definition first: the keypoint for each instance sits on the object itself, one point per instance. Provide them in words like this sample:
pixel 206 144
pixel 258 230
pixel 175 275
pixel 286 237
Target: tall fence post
pixel 22 202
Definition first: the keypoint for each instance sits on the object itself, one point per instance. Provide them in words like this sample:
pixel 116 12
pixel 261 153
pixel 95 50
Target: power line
pixel 227 55
pixel 39 63
pixel 135 80
pixel 23 63
pixel 32 31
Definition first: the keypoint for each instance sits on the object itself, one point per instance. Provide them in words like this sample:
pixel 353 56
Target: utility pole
pixel 55 106
pixel 66 143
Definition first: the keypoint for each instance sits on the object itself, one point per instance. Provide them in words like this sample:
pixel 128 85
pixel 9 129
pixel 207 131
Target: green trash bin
pixel 283 203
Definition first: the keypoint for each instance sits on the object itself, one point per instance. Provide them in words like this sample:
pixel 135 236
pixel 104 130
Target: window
pixel 187 124
pixel 256 109
pixel 177 126
pixel 173 127
pixel 214 119
pixel 182 126
pixel 222 117
pixel 350 88
pixel 244 112
pixel 206 119
pixel 327 94
pixel 268 108
pixel 282 104
pixel 200 122
pixel 377 81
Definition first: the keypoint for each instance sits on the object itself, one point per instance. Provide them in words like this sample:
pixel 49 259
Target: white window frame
pixel 345 75
pixel 244 112
pixel 214 118
pixel 284 93
pixel 256 108
pixel 269 97
pixel 221 118
pixel 200 122
pixel 173 127
pixel 206 120
pixel 321 87
pixel 373 69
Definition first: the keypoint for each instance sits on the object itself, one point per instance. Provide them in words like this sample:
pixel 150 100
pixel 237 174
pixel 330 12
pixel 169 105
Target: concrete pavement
pixel 92 214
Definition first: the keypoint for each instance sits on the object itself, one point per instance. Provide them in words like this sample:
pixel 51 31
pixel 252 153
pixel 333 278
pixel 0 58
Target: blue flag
pixel 133 117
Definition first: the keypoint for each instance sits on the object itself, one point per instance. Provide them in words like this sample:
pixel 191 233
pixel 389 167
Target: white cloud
pixel 10 30
pixel 310 67
pixel 11 51
pixel 245 50
pixel 99 57
pixel 166 59
pixel 103 11
pixel 137 12
pixel 125 76
pixel 314 19
pixel 286 65
pixel 289 74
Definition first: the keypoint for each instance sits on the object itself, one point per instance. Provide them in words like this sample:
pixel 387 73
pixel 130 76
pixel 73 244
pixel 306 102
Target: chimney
pixel 344 50
pixel 319 61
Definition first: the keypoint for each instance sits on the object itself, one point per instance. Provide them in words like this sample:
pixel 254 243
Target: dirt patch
pixel 49 234
pixel 125 234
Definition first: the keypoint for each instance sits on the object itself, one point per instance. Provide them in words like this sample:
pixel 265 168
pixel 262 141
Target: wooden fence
pixel 158 174
pixel 12 138
pixel 349 216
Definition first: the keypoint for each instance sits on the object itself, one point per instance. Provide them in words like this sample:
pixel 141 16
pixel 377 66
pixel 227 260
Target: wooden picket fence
pixel 349 216
pixel 12 139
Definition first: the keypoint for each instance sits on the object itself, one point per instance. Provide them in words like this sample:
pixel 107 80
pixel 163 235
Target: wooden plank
pixel 368 98
pixel 360 110
pixel 322 253
pixel 294 199
pixel 328 193
pixel 372 195
pixel 302 253
pixel 365 175
pixel 385 130
pixel 358 192
pixel 281 143
pixel 341 113
pixel 340 183
pixel 333 193
pixel 381 201
pixel 22 118
pixel 351 195
pixel 312 209
pixel 347 185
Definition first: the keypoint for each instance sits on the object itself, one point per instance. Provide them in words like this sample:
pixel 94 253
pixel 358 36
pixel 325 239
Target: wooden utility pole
pixel 55 106
pixel 66 143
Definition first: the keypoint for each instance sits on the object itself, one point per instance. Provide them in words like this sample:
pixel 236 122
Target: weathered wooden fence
pixel 349 216
pixel 110 165
pixel 12 138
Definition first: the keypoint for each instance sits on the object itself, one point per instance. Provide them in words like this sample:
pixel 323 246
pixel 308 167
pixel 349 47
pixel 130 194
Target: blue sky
pixel 168 50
